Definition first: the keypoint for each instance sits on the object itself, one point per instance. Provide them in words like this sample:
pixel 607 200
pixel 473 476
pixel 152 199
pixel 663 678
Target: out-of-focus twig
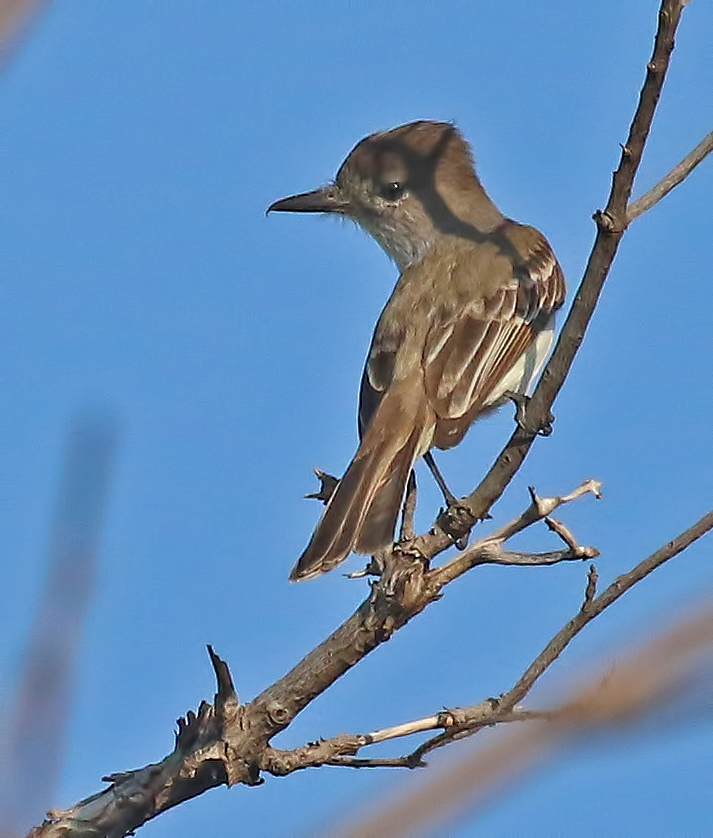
pixel 42 714
pixel 15 19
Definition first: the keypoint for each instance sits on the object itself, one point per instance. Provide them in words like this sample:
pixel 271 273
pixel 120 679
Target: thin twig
pixel 489 550
pixel 638 684
pixel 672 179
pixel 566 534
pixel 371 762
pixel 584 616
pixel 496 555
pixel 591 589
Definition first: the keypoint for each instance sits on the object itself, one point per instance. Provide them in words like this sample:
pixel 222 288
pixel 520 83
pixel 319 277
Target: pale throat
pixel 408 232
pixel 401 242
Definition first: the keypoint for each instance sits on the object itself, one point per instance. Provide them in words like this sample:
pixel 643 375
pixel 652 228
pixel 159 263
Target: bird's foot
pixel 414 547
pixel 372 569
pixel 375 567
pixel 456 521
pixel 328 483
pixel 448 496
pixel 521 418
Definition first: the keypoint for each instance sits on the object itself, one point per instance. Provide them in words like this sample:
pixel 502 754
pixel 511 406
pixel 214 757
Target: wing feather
pixel 468 355
pixel 499 296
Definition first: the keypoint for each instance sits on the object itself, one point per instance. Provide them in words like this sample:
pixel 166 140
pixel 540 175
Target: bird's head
pixel 405 187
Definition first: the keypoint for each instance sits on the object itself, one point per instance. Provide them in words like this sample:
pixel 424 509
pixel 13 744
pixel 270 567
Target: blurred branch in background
pixel 629 689
pixel 16 18
pixel 42 713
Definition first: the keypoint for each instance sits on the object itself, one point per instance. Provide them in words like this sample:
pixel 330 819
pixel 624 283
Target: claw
pixel 374 568
pixel 456 522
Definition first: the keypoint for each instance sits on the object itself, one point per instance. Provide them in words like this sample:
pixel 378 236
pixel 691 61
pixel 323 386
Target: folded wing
pixel 475 352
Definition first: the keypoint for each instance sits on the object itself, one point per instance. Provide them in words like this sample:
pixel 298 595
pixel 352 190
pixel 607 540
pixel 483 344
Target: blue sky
pixel 140 145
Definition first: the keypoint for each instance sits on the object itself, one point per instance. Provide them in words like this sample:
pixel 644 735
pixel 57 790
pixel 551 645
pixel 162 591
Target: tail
pixel 361 514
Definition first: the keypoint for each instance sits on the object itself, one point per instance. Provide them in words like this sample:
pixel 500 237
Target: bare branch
pixel 374 762
pixel 202 757
pixel 591 609
pixel 610 595
pixel 228 743
pixel 672 179
pixel 639 683
pixel 499 556
pixel 489 550
pixel 340 750
pixel 566 534
pixel 444 720
pixel 409 728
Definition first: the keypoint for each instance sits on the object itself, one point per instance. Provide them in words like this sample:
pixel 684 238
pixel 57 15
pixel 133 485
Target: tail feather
pixel 361 514
pixel 377 529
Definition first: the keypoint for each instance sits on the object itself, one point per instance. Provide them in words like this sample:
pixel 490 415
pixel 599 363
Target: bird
pixel 469 322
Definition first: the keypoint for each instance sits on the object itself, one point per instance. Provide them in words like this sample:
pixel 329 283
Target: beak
pixel 327 199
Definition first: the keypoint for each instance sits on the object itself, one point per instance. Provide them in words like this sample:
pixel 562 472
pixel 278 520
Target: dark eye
pixel 392 191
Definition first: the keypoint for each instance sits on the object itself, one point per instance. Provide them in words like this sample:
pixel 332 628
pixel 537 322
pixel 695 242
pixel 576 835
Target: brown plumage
pixel 470 318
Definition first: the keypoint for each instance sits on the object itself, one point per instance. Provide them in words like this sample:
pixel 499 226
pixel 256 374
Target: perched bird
pixel 470 319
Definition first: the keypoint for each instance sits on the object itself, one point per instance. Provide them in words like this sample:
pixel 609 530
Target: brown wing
pixel 378 370
pixel 469 351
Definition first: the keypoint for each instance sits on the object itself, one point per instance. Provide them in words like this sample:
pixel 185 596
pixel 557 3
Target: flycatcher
pixel 471 319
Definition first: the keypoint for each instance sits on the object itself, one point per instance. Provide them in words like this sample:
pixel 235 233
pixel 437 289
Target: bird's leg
pixel 407 531
pixel 521 402
pixel 448 496
pixel 456 520
pixel 328 484
pixel 410 544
